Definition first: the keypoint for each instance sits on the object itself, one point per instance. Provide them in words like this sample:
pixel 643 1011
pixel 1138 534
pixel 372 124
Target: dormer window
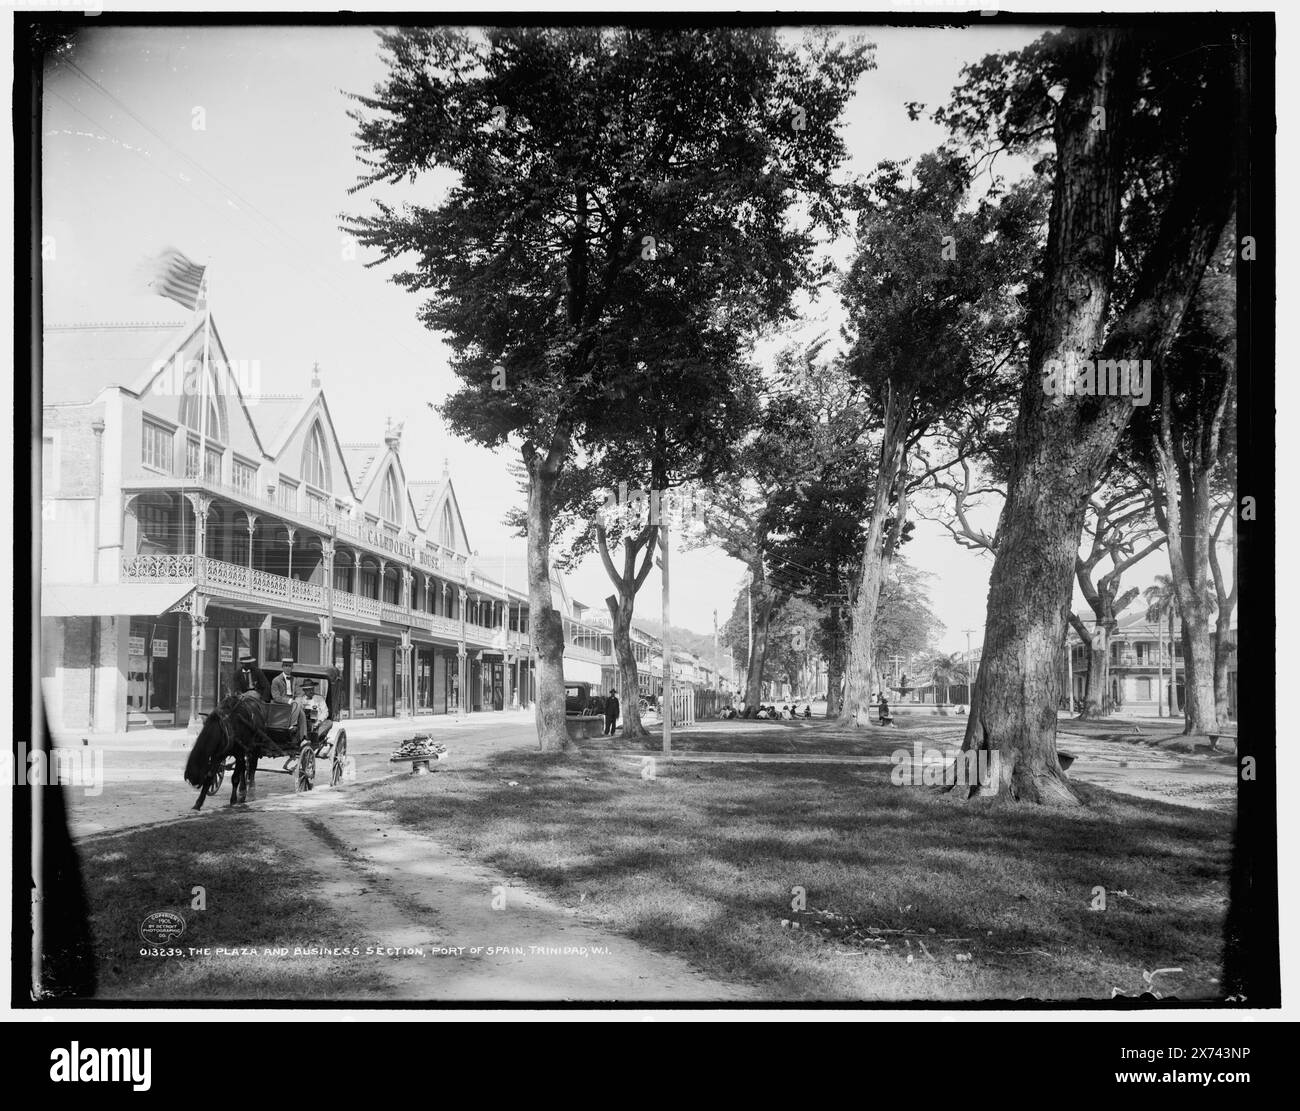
pixel 191 411
pixel 447 529
pixel 389 503
pixel 315 460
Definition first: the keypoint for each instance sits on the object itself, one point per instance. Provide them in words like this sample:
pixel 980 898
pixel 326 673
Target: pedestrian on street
pixel 611 712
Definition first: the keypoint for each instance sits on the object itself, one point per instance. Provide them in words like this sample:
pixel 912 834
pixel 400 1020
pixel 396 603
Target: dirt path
pixel 1152 773
pixel 402 890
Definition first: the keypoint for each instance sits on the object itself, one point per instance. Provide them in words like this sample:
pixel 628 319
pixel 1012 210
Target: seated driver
pixel 282 692
pixel 314 706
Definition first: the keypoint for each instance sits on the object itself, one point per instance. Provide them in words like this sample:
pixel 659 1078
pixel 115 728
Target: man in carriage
pixel 315 707
pixel 252 679
pixel 282 694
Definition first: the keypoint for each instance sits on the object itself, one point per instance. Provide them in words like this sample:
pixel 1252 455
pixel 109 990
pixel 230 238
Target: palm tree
pixel 1162 600
pixel 946 670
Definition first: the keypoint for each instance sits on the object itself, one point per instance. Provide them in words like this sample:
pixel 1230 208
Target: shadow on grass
pixel 708 860
pixel 257 897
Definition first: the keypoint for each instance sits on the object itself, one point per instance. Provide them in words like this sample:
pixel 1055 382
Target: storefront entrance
pixel 364 678
pixel 151 671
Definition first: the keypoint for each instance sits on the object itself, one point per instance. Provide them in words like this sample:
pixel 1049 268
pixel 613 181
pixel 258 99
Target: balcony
pixel 445 563
pixel 249 585
pixel 223 579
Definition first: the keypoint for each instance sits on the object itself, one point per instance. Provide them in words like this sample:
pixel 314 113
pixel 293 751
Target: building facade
pixel 1145 676
pixel 188 522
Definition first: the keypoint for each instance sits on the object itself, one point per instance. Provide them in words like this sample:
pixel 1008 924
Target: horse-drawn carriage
pixel 244 729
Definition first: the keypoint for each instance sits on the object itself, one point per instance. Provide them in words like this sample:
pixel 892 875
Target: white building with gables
pixel 174 545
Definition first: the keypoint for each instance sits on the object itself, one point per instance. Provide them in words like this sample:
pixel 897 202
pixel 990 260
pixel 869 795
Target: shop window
pixel 278 643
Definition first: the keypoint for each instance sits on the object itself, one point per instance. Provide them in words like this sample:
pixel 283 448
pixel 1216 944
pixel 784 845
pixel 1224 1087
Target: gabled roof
pixel 291 418
pixel 80 361
pixel 446 493
pixel 358 458
pixel 276 415
pixel 424 495
pixel 387 458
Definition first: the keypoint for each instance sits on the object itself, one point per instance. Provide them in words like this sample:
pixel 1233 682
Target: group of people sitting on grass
pixel 770 713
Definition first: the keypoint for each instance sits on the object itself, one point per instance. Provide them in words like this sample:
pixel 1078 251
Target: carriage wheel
pixel 218 777
pixel 340 751
pixel 306 768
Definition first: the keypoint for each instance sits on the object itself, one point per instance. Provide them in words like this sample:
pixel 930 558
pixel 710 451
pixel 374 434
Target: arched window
pixel 389 505
pixel 191 410
pixel 447 528
pixel 315 461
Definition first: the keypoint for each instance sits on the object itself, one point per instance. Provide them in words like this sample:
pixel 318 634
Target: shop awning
pixel 110 599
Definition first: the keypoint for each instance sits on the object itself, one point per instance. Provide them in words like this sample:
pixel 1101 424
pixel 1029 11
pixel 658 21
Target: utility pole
pixel 1069 675
pixel 666 706
pixel 1160 671
pixel 968 674
pixel 717 675
pixel 749 605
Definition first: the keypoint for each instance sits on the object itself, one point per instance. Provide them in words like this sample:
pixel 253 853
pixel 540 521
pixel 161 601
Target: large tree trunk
pixel 620 610
pixel 1222 650
pixel 1199 710
pixel 757 656
pixel 545 621
pixel 859 673
pixel 1013 708
pixel 1096 698
pixel 1227 601
pixel 834 677
pixel 1187 523
pixel 1063 442
pixel 620 606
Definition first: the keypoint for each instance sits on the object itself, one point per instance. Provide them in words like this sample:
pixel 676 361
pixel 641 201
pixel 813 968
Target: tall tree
pixel 1119 528
pixel 1185 445
pixel 739 522
pixel 819 512
pixel 1139 145
pixel 594 171
pixel 906 624
pixel 1225 601
pixel 933 322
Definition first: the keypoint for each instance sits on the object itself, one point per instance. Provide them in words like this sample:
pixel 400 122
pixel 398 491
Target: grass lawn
pixel 258 897
pixel 910 895
pixel 802 737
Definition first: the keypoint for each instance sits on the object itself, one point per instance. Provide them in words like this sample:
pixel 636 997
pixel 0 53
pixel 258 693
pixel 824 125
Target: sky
pixel 233 145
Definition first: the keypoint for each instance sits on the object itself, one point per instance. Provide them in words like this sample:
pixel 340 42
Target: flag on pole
pixel 172 275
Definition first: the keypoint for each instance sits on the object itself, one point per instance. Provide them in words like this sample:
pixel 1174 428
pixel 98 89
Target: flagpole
pixel 199 636
pixel 203 385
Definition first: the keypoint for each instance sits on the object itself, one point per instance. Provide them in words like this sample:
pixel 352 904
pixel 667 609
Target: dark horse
pixel 236 727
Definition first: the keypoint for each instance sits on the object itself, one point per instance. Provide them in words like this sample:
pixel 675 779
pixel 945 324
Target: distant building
pixel 1140 662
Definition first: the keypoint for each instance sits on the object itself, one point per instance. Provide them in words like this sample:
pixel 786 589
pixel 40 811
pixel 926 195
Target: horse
pixel 237 726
